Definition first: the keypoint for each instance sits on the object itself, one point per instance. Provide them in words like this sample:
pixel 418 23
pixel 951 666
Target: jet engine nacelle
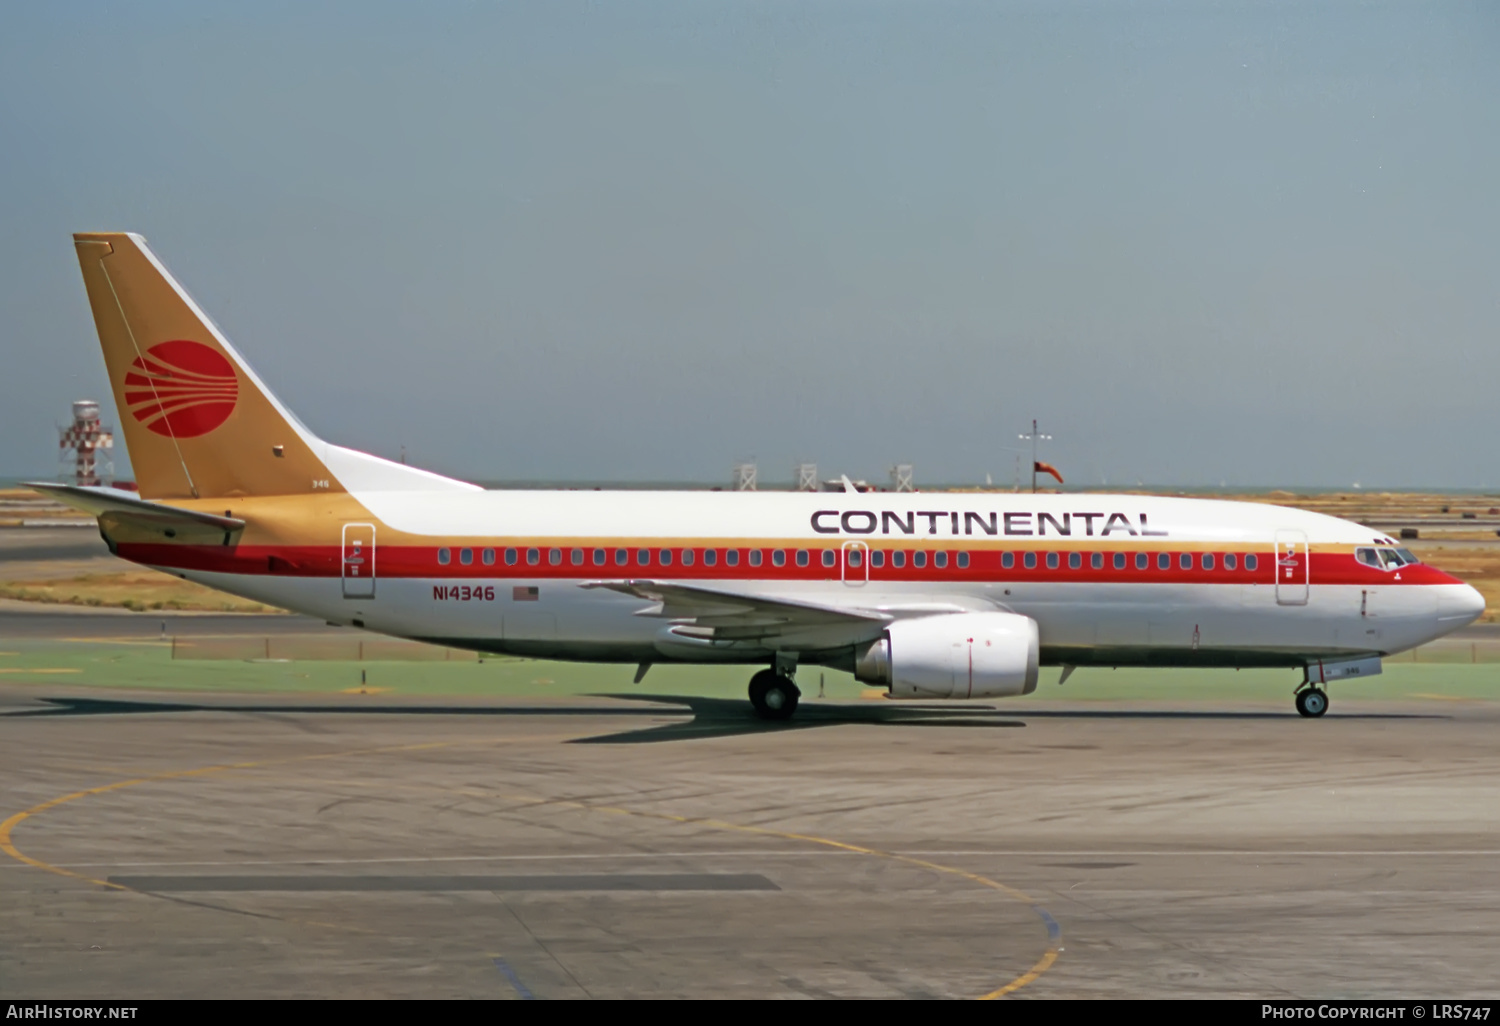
pixel 955 655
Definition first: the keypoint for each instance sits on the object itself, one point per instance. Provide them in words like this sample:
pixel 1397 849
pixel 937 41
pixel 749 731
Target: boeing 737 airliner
pixel 926 595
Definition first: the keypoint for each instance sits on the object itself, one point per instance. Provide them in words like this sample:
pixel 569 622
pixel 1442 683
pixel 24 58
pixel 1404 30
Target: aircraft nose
pixel 1459 604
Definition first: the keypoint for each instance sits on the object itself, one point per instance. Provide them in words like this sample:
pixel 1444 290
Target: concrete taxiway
pixel 191 845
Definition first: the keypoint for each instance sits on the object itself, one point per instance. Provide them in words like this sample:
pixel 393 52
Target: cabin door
pixel 856 563
pixel 359 561
pixel 1292 569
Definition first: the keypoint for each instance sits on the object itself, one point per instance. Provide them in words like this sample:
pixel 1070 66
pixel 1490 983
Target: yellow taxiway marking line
pixel 1042 965
pixel 41 669
pixel 8 826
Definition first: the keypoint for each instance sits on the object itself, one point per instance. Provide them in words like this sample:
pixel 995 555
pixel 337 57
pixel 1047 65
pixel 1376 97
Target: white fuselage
pixel 1117 579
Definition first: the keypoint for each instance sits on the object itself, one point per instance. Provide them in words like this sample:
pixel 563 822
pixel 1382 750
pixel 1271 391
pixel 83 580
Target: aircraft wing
pixel 115 507
pixel 713 615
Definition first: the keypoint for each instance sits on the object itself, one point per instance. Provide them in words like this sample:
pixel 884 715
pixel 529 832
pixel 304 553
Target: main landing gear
pixel 1312 700
pixel 774 695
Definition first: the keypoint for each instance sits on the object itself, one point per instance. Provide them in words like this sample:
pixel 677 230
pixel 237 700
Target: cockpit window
pixel 1407 555
pixel 1367 557
pixel 1391 560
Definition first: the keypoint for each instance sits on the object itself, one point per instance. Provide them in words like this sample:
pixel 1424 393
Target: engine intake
pixel 955 655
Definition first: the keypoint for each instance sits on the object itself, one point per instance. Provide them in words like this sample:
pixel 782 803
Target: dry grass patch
pixel 133 589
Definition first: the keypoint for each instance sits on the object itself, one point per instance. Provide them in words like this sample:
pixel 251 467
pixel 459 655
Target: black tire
pixel 773 695
pixel 1312 702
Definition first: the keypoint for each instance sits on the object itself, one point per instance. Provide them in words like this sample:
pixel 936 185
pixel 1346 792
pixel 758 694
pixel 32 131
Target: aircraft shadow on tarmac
pixel 724 717
pixel 710 717
pixel 721 717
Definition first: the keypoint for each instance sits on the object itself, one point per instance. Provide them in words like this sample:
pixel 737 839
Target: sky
pixel 1249 243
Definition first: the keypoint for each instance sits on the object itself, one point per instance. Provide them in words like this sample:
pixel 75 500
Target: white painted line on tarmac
pixel 1232 852
pixel 473 858
pixel 557 857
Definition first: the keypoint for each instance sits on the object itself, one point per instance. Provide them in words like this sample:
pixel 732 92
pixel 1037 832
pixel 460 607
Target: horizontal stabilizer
pixel 102 501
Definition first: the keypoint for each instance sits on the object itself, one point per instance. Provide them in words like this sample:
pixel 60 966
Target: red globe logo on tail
pixel 181 389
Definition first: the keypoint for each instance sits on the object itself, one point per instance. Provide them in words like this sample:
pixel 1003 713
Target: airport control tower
pixel 87 447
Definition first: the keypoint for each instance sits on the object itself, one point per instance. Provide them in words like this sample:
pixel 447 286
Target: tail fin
pixel 197 420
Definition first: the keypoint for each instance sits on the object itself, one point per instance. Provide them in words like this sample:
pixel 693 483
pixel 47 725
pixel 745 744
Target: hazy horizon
pixel 1250 243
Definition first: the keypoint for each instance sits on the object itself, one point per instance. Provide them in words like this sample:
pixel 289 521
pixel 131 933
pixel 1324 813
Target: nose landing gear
pixel 773 695
pixel 1312 701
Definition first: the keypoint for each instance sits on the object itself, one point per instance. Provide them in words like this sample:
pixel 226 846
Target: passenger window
pixel 1185 561
pixel 1229 561
pixel 940 559
pixel 577 557
pixel 829 558
pixel 1007 559
pixel 1029 560
pixel 510 557
pixel 600 556
pixel 622 556
pixel 687 557
pixel 852 556
pixel 666 557
pixel 963 561
pixel 1208 561
pixel 1163 561
pixel 533 556
pixel 778 557
pixel 710 557
pixel 1075 561
pixel 1141 561
pixel 1250 561
pixel 643 557
pixel 898 559
pixel 1119 561
pixel 466 556
pixel 444 557
pixel 919 559
pixel 755 557
pixel 1051 561
pixel 803 558
pixel 1097 561
pixel 554 556
pixel 732 557
pixel 877 558
pixel 489 557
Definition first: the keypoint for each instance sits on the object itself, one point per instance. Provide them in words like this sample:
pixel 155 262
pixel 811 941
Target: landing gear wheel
pixel 773 695
pixel 1312 702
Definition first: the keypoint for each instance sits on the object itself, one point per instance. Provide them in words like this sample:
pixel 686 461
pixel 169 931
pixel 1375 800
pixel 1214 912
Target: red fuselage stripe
pixel 401 561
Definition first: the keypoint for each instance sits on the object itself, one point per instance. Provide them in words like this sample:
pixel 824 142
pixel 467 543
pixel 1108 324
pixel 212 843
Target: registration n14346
pixel 463 593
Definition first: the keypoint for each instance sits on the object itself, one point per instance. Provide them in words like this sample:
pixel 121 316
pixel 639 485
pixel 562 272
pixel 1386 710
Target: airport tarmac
pixel 186 845
pixel 43 544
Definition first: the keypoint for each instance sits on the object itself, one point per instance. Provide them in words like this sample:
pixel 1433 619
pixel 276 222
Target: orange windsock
pixel 1047 468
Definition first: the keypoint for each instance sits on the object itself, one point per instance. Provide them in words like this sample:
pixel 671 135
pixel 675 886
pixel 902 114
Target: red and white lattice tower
pixel 87 446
